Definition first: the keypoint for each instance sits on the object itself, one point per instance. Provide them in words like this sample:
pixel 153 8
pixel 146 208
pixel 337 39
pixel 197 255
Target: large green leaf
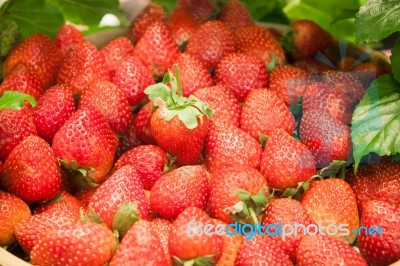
pixel 377 19
pixel 266 11
pixel 395 59
pixel 376 120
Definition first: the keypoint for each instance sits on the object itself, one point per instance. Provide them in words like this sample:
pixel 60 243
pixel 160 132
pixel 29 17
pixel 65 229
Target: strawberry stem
pixel 178 80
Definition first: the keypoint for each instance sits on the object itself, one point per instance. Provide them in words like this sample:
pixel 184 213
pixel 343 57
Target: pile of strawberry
pixel 198 117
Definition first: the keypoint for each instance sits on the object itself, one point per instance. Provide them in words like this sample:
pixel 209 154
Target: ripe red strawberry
pixel 87 144
pixel 241 73
pixel 231 247
pixel 82 64
pixel 383 248
pixel 327 138
pixel 31 171
pixel 115 51
pixel 183 24
pixel 183 187
pixel 285 161
pixel 84 197
pixel 347 83
pixel 162 227
pixel 323 250
pixel 149 160
pixel 211 42
pixel 52 110
pixel 263 112
pixel 258 41
pixel 222 101
pixel 91 243
pixel 236 190
pixel 338 206
pixel 193 74
pixel 12 211
pixel 22 78
pixel 187 243
pixel 39 51
pixel 228 145
pixel 67 36
pixel 64 201
pixel 156 49
pixel 309 38
pixel 288 82
pixel 235 15
pixel 201 8
pixel 380 181
pixel 312 65
pixel 142 126
pixel 127 141
pixel 261 250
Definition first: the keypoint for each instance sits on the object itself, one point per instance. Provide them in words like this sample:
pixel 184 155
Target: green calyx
pixel 15 100
pixel 189 110
pixel 80 176
pixel 207 260
pixel 126 215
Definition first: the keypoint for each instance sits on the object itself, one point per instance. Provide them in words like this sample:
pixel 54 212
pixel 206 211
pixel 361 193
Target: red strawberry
pixel 156 49
pixel 228 145
pixel 127 141
pixel 311 65
pixel 366 72
pixel 64 201
pixel 132 77
pixel 191 243
pixel 332 201
pixel 86 143
pixel 52 110
pixel 121 195
pixel 142 126
pixel 82 64
pixel 201 8
pixel 67 36
pixel 12 211
pixel 90 243
pixel 381 247
pixel 323 250
pixel 327 138
pixel 263 112
pixel 231 247
pixel 241 73
pixel 84 197
pixel 110 101
pixel 287 212
pixel 222 101
pixel 115 51
pixel 285 161
pixel 149 160
pixel 184 187
pixel 31 171
pixel 235 15
pixel 309 38
pixel 347 83
pixel 211 42
pixel 162 228
pixel 182 23
pixel 258 41
pixel 237 194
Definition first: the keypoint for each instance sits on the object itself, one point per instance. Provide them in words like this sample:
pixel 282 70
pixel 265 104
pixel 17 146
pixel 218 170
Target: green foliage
pixel 15 100
pixel 9 37
pixel 395 59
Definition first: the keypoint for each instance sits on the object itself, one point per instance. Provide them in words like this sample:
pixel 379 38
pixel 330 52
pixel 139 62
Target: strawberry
pixel 90 243
pixel 288 82
pixel 366 72
pixel 52 110
pixel 231 247
pixel 381 246
pixel 127 141
pixel 86 144
pixel 237 194
pixel 309 38
pixel 228 145
pixel 338 207
pixel 149 160
pixel 285 161
pixel 142 126
pixel 132 77
pixel 12 211
pixel 191 243
pixel 211 42
pixel 323 250
pixel 222 101
pixel 241 73
pixel 347 83
pixel 121 195
pixel 64 201
pixel 182 24
pixel 67 36
pixel 178 189
pixel 193 74
pixel 162 228
pixel 235 15
pixel 39 51
pixel 312 65
pixel 287 212
pixel 258 41
pixel 22 78
pixel 263 112
pixel 115 51
pixel 201 8
pixel 156 49
pixel 327 138
pixel 380 181
pixel 31 171
pixel 110 101
pixel 84 196
pixel 82 64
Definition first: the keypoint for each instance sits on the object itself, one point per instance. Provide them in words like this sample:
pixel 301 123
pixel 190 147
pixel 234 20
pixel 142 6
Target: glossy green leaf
pixel 15 100
pixel 345 14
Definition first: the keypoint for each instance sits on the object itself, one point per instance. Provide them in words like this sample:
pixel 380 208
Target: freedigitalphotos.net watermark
pixel 282 230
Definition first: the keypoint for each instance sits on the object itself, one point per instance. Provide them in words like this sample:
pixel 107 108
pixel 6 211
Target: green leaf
pixel 377 19
pixel 168 5
pixel 157 90
pixel 189 116
pixel 15 100
pixel 267 11
pixel 125 217
pixel 332 169
pixel 395 59
pixel 345 14
pixel 289 192
pixel 376 120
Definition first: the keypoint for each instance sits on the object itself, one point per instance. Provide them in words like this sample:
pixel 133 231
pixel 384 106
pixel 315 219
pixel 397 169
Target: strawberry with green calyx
pixel 180 124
